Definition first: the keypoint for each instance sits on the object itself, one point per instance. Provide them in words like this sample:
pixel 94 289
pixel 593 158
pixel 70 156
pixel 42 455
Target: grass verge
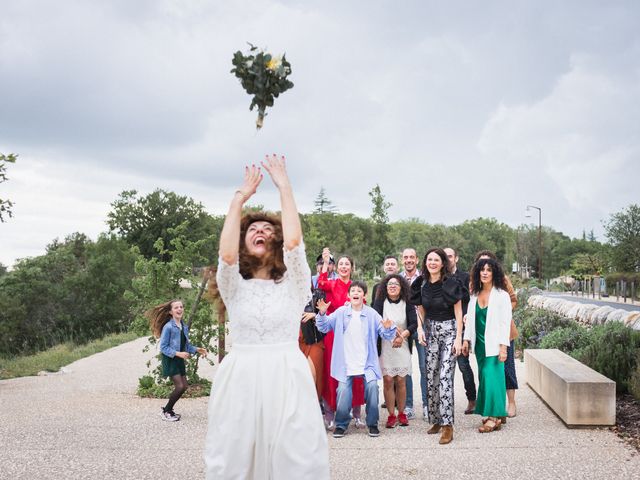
pixel 53 359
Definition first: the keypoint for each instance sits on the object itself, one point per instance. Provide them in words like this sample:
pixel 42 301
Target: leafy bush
pixel 613 351
pixel 557 287
pixel 628 277
pixel 569 339
pixel 73 293
pixel 634 381
pixel 146 382
pixel 148 388
pixel 523 297
pixel 533 283
pixel 534 323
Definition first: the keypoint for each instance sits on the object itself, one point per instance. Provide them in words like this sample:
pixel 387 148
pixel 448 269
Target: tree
pixel 5 205
pixel 623 232
pixel 75 292
pixel 142 220
pixel 342 233
pixel 484 234
pixel 381 244
pixel 588 264
pixel 157 281
pixel 323 204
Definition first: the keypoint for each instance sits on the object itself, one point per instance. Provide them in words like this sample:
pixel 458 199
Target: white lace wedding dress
pixel 264 416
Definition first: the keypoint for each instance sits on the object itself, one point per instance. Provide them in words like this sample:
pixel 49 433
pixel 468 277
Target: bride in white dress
pixel 264 417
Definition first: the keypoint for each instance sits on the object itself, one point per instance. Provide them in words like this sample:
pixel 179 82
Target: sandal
pixel 490 425
pixel 503 420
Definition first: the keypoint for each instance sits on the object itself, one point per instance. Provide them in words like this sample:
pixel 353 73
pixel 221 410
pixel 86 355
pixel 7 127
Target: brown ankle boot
pixel 447 434
pixel 435 428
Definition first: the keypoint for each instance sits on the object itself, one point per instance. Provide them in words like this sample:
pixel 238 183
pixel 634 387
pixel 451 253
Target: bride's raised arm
pixel 230 235
pixel 291 228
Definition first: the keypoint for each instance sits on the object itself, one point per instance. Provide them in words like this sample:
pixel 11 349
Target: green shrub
pixel 628 277
pixel 146 382
pixel 573 337
pixel 634 381
pixel 613 351
pixel 536 283
pixel 523 297
pixel 558 287
pixel 198 387
pixel 534 323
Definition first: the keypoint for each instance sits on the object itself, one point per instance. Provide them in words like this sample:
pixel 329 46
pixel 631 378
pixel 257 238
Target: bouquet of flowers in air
pixel 262 75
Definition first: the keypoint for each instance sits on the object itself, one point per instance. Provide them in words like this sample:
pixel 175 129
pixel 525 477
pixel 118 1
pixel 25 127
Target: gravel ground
pixel 88 423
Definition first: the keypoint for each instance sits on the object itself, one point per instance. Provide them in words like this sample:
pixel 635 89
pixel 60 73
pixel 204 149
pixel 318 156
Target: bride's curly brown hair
pixel 274 259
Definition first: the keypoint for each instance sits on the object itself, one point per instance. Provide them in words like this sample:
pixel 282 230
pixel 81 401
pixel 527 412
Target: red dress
pixel 337 293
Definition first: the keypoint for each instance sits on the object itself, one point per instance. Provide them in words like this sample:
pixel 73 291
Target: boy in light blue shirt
pixel 355 354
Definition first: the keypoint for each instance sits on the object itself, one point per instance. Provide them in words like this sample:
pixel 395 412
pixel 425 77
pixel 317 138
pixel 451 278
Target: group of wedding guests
pixel 432 309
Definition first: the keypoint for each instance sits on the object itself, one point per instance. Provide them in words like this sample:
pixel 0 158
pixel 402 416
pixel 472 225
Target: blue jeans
pixel 345 395
pixel 423 373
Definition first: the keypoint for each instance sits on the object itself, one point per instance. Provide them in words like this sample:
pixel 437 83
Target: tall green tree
pixel 343 234
pixel 5 205
pixel 623 232
pixel 381 243
pixel 323 204
pixel 142 220
pixel 158 281
pixel 484 234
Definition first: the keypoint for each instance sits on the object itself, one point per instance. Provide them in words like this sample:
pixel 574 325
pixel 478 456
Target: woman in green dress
pixel 487 335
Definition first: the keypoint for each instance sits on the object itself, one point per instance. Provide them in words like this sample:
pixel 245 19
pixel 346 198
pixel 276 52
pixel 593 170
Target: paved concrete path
pixel 88 424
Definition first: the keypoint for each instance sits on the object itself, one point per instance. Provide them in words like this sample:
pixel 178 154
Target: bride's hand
pixel 277 170
pixel 252 178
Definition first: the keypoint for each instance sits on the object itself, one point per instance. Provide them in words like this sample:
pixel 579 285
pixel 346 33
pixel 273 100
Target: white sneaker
pixel 169 416
pixel 330 425
pixel 410 413
pixel 359 423
pixel 425 413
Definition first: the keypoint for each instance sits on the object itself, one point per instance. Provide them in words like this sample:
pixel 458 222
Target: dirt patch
pixel 628 420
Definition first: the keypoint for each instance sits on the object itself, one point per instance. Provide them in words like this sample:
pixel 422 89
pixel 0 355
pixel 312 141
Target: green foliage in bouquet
pixel 262 75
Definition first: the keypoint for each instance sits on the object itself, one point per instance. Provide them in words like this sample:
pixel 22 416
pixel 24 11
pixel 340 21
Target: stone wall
pixel 586 313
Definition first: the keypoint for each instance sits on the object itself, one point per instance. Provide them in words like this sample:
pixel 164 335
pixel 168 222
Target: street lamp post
pixel 528 214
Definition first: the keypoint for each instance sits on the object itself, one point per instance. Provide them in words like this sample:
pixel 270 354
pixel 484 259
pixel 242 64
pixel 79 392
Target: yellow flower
pixel 274 63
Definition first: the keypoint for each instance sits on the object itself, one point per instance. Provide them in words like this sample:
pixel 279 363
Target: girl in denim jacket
pixel 166 323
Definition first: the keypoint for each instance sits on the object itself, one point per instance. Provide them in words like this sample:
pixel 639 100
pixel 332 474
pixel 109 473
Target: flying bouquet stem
pixel 262 75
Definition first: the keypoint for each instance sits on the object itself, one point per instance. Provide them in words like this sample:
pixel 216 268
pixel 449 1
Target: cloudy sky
pixel 456 109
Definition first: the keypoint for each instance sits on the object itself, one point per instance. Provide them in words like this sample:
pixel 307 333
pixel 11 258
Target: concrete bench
pixel 575 392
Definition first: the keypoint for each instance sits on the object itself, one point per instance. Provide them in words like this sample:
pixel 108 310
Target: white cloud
pixel 583 136
pixel 457 112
